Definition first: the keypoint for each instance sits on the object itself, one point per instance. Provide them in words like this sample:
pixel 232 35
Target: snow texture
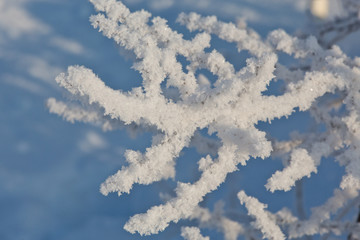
pixel 262 219
pixel 192 233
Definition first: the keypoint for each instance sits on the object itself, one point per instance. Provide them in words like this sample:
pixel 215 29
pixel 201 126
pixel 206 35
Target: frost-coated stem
pixel 230 107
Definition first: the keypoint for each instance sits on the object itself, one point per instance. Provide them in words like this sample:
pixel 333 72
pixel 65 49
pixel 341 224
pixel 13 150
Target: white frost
pixel 263 221
pixel 301 165
pixel 192 233
pixel 231 107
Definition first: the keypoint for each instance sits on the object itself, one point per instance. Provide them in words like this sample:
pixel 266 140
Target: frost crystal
pixel 301 165
pixel 230 107
pixel 192 233
pixel 263 221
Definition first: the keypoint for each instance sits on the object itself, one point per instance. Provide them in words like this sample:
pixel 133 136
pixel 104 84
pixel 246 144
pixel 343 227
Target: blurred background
pixel 51 170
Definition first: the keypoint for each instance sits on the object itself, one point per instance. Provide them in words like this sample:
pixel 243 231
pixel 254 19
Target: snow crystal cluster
pixel 230 108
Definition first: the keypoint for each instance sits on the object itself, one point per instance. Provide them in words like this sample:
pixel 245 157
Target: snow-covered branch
pixel 230 108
